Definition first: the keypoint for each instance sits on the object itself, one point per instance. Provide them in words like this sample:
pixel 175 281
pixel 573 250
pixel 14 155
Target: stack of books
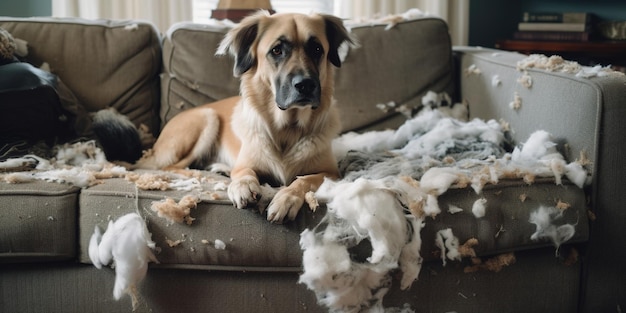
pixel 567 26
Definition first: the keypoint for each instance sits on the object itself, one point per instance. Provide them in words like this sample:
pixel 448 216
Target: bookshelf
pixel 572 35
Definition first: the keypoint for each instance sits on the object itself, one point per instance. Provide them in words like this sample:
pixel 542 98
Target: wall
pixel 492 20
pixel 25 8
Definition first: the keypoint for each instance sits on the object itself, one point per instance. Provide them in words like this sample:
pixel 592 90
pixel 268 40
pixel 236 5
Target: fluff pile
pixel 368 231
pixel 128 246
pixel 436 149
pixel 391 183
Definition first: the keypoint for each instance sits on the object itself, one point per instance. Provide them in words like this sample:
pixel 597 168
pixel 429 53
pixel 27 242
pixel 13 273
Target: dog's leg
pixel 184 140
pixel 288 201
pixel 244 188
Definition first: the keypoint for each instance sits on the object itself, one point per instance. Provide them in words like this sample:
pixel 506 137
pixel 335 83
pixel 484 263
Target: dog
pixel 279 130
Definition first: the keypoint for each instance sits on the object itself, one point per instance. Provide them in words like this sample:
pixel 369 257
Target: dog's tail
pixel 117 135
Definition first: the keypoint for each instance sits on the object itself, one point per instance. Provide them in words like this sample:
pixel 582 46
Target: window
pixel 202 8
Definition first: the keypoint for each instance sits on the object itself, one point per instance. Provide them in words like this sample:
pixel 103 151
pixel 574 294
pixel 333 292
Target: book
pixel 552 17
pixel 552 36
pixel 565 27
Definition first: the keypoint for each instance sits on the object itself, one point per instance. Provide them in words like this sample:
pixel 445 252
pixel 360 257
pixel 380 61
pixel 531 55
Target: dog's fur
pixel 281 127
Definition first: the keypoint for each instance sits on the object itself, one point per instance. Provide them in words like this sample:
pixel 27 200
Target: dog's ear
pixel 337 34
pixel 240 40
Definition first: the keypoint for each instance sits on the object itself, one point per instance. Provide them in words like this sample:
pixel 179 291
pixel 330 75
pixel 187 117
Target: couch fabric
pixel 127 65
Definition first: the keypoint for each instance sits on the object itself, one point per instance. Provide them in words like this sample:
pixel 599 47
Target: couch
pixel 150 77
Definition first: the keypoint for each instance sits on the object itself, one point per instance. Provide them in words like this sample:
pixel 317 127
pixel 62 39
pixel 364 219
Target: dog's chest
pixel 286 159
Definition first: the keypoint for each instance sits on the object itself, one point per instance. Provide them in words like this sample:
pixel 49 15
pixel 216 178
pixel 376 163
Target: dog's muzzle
pixel 298 90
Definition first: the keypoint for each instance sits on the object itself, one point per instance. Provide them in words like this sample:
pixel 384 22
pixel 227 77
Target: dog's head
pixel 289 54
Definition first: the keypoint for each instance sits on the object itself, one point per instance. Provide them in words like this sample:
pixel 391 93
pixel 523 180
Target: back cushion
pixel 104 63
pixel 399 64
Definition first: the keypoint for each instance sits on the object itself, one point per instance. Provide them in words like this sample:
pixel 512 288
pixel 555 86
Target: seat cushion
pixel 252 243
pixel 38 221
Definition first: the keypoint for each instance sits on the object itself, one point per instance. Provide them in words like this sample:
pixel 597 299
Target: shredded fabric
pixel 128 244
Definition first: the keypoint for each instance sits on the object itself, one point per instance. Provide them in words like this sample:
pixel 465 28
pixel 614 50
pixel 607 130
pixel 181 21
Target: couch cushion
pixel 116 64
pixel 38 221
pixel 416 57
pixel 252 243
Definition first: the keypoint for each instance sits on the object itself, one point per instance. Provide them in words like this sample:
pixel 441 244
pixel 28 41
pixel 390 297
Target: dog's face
pixel 289 54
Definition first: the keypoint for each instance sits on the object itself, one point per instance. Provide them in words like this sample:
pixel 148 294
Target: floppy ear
pixel 336 34
pixel 239 42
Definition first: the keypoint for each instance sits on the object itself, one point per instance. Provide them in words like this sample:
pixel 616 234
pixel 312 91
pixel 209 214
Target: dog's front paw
pixel 286 203
pixel 244 191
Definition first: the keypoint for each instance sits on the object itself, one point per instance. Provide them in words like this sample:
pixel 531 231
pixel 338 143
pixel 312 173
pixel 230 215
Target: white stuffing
pixel 575 172
pixel 478 208
pixel 453 209
pixel 525 80
pixel 185 184
pixel 219 245
pixel 85 154
pixel 372 210
pixel 544 218
pixel 516 104
pixel 18 162
pixel 74 175
pixel 556 63
pixel 131 27
pixel 128 244
pixel 495 81
pixel 448 244
pixel 472 70
pixel 438 180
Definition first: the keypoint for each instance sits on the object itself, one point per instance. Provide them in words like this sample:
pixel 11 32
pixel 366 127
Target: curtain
pixel 454 12
pixel 162 13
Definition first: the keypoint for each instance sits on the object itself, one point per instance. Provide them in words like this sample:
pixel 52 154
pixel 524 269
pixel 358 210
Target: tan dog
pixel 281 127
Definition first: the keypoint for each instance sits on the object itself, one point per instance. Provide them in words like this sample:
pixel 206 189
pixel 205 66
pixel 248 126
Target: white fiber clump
pixel 575 172
pixel 556 63
pixel 219 245
pixel 495 81
pixel 367 142
pixel 369 210
pixel 453 209
pixel 544 218
pixel 539 145
pixel 438 180
pixel 478 208
pixel 448 244
pixel 128 244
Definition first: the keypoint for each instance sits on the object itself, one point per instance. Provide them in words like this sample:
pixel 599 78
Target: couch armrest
pixel 585 114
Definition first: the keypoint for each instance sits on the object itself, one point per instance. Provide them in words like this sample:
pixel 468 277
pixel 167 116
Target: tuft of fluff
pixel 478 208
pixel 545 219
pixel 372 210
pixel 220 245
pixel 128 244
pixel 448 244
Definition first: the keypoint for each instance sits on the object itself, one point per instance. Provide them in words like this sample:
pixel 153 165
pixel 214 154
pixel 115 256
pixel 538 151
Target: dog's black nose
pixel 304 85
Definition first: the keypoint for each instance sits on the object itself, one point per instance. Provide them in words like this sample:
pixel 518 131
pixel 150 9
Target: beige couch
pixel 46 228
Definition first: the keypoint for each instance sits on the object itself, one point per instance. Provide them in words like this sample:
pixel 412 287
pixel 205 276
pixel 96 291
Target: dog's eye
pixel 277 51
pixel 315 50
